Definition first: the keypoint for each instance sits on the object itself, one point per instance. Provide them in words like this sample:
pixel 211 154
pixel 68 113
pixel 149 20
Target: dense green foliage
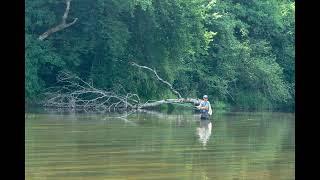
pixel 240 53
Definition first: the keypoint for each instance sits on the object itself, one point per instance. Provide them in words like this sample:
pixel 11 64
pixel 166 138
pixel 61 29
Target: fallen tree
pixel 75 93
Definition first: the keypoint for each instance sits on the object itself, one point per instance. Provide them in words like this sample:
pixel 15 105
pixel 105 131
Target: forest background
pixel 241 53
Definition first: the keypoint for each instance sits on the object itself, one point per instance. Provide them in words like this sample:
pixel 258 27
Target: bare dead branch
pixel 169 101
pixel 159 78
pixel 61 26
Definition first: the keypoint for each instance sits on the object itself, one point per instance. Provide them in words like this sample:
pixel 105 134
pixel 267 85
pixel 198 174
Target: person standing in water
pixel 205 108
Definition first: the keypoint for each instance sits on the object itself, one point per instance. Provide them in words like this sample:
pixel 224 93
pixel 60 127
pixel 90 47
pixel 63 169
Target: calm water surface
pixel 160 146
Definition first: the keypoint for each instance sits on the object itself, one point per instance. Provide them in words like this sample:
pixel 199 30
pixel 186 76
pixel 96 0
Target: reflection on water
pixel 160 146
pixel 204 131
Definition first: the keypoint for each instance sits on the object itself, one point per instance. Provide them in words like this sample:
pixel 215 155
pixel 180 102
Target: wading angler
pixel 205 108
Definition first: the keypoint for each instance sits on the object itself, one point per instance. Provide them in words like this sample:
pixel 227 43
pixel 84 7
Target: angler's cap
pixel 205 97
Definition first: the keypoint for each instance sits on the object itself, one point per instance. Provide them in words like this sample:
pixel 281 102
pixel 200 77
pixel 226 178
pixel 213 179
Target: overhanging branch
pixel 61 26
pixel 159 78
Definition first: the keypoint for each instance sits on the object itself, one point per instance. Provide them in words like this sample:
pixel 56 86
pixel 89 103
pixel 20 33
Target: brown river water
pixel 235 146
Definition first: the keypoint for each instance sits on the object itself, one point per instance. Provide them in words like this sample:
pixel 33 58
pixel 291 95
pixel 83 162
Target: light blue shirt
pixel 204 104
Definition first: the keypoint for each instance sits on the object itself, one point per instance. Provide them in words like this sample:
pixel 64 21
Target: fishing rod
pixel 193 107
pixel 189 106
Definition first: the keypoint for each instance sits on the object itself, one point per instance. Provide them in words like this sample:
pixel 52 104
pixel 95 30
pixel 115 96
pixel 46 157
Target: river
pixel 232 145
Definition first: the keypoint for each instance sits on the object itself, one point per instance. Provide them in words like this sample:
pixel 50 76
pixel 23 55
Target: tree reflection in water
pixel 204 131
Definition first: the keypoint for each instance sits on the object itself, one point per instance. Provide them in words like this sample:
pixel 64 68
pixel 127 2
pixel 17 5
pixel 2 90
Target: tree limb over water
pixel 75 93
pixel 62 25
pixel 159 78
